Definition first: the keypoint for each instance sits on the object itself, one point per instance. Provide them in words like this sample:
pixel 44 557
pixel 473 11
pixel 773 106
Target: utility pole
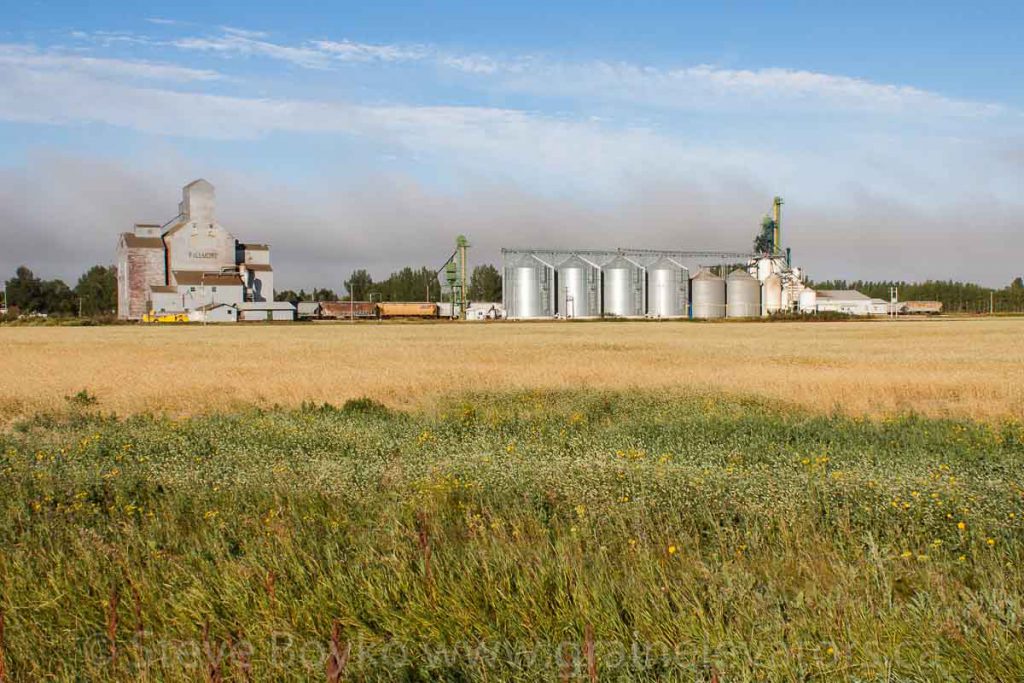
pixel 351 301
pixel 991 303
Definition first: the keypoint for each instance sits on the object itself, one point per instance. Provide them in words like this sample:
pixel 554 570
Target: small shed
pixel 253 311
pixel 214 313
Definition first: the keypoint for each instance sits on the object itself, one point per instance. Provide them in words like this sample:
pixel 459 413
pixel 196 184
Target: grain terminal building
pixel 191 263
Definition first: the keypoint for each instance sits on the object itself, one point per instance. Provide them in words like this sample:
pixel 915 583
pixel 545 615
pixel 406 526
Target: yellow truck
pixel 165 317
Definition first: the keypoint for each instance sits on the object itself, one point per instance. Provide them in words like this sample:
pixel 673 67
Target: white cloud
pixel 706 87
pixel 28 58
pixel 695 87
pixel 701 87
pixel 348 51
pixel 160 21
pixel 245 33
pixel 559 154
pixel 236 44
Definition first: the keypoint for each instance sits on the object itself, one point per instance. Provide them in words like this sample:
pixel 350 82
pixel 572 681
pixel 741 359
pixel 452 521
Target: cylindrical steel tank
pixel 742 295
pixel 772 294
pixel 525 293
pixel 620 288
pixel 666 290
pixel 808 300
pixel 576 281
pixel 707 292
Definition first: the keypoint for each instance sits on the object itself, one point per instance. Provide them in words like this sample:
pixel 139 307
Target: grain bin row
pixel 580 288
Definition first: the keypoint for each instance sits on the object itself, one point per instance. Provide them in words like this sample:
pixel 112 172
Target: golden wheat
pixel 971 368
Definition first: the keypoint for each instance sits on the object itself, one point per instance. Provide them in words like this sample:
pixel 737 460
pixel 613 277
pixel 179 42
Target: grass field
pixel 508 538
pixel 612 501
pixel 969 368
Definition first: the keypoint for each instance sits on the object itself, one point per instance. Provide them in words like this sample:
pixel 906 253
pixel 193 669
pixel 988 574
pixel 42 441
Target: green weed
pixel 513 537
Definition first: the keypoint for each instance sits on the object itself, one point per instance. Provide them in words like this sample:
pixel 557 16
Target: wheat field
pixel 962 368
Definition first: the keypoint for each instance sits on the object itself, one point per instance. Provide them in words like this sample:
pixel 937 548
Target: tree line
pixel 95 294
pixel 956 297
pixel 407 284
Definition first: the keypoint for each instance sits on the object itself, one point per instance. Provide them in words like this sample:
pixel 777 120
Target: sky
pixel 370 134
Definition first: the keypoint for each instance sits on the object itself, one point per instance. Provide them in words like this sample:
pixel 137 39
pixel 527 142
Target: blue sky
pixel 370 134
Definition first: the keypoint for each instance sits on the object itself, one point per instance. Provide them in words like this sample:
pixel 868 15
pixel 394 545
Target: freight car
pixel 346 310
pixel 396 309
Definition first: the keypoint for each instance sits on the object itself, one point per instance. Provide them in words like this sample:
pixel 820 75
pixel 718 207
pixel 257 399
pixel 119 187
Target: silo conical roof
pixel 706 274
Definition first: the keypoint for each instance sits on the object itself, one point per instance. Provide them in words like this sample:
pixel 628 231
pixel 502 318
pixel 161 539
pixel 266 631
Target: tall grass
pixel 535 536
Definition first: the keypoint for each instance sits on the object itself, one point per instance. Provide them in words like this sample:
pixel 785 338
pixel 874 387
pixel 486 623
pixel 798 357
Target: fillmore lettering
pixel 202 254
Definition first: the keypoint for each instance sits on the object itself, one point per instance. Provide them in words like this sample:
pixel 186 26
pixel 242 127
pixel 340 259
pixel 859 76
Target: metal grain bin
pixel 623 288
pixel 742 295
pixel 808 300
pixel 667 289
pixel 772 294
pixel 578 284
pixel 525 293
pixel 527 290
pixel 707 291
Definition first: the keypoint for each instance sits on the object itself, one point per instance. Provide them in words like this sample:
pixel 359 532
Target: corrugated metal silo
pixel 578 285
pixel 742 295
pixel 528 288
pixel 707 291
pixel 667 289
pixel 623 288
pixel 808 300
pixel 772 294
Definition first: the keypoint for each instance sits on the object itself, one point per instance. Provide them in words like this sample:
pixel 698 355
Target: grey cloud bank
pixel 60 214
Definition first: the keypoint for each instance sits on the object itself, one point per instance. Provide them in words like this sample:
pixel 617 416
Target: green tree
pixel 359 285
pixel 324 294
pixel 29 294
pixel 485 284
pixel 97 290
pixel 24 291
pixel 58 299
pixel 408 284
pixel 287 295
